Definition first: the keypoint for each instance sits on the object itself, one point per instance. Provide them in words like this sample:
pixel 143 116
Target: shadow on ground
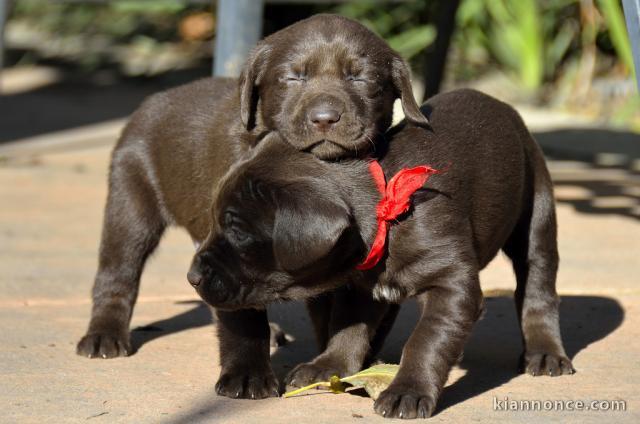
pixel 492 355
pixel 490 359
pixel 78 100
pixel 198 316
pixel 605 197
pixel 598 150
pixel 591 145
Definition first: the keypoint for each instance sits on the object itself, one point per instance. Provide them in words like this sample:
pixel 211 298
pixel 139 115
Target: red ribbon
pixel 396 199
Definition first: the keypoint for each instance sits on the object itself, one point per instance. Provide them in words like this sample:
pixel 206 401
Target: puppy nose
pixel 324 116
pixel 194 277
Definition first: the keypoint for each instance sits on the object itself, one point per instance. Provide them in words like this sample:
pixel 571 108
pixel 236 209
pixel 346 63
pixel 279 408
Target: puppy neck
pixel 360 193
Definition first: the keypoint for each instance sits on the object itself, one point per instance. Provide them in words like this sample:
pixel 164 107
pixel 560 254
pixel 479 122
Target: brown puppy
pixel 286 225
pixel 326 81
pixel 328 85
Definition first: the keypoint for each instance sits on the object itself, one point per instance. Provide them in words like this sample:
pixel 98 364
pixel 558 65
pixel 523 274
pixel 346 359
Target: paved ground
pixel 50 214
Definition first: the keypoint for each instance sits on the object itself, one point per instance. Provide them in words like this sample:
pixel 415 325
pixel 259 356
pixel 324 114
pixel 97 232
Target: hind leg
pixel 319 309
pixel 132 228
pixel 533 251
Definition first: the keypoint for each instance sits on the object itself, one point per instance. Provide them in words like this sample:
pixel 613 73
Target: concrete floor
pixel 50 216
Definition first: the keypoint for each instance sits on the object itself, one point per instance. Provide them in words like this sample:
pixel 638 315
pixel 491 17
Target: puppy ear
pixel 402 83
pixel 248 82
pixel 305 232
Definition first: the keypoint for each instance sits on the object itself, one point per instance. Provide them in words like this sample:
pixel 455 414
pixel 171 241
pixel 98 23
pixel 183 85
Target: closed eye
pixel 235 231
pixel 239 235
pixel 356 79
pixel 295 78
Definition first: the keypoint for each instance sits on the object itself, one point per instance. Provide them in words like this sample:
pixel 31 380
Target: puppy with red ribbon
pixel 356 238
pixel 396 199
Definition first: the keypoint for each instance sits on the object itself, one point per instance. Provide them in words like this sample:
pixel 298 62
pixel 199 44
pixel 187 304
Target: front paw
pixel 405 401
pixel 248 384
pixel 312 372
pixel 104 345
pixel 542 363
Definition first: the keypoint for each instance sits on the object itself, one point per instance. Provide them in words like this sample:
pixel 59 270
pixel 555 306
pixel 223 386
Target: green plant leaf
pixel 373 380
pixel 559 45
pixel 413 41
pixel 157 6
pixel 617 30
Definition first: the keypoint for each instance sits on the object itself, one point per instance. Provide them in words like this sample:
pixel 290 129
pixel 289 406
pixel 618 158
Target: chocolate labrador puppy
pixel 328 83
pixel 286 225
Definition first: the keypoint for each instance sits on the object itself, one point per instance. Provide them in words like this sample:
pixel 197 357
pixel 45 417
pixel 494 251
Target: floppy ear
pixel 306 232
pixel 402 83
pixel 248 82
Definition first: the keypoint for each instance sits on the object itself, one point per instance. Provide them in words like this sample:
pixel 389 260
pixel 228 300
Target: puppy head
pixel 328 85
pixel 280 230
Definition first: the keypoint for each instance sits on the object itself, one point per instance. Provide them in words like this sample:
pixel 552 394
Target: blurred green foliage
pixel 617 30
pixel 512 32
pixel 533 39
pixel 537 43
pixel 402 24
pixel 138 37
pixel 118 19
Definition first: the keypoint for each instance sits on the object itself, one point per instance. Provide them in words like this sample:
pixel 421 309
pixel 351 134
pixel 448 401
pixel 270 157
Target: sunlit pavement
pixel 51 204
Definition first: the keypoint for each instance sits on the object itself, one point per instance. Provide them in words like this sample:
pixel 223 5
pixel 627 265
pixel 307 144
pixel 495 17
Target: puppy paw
pixel 404 401
pixel 541 363
pixel 104 345
pixel 248 385
pixel 311 372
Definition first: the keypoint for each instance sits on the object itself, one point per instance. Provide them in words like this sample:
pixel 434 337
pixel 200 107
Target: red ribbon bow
pixel 396 199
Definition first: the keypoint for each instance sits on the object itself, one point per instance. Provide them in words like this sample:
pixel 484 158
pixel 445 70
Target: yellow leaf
pixel 373 380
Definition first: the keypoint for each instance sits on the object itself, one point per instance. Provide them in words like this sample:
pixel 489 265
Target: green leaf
pixel 617 30
pixel 559 45
pixel 411 42
pixel 373 380
pixel 157 6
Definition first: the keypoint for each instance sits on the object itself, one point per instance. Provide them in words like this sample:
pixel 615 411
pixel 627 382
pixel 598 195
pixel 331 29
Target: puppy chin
pixel 216 298
pixel 231 304
pixel 329 149
pixel 326 149
pixel 235 307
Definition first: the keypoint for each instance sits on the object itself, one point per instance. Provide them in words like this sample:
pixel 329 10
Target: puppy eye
pixel 240 236
pixel 234 229
pixel 229 218
pixel 354 79
pixel 295 78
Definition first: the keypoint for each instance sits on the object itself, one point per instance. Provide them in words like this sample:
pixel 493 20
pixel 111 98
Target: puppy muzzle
pixel 209 284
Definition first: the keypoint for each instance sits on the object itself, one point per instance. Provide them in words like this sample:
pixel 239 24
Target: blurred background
pixel 73 71
pixel 73 62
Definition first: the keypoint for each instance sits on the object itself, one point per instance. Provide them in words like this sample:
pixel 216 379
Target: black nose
pixel 324 116
pixel 195 277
